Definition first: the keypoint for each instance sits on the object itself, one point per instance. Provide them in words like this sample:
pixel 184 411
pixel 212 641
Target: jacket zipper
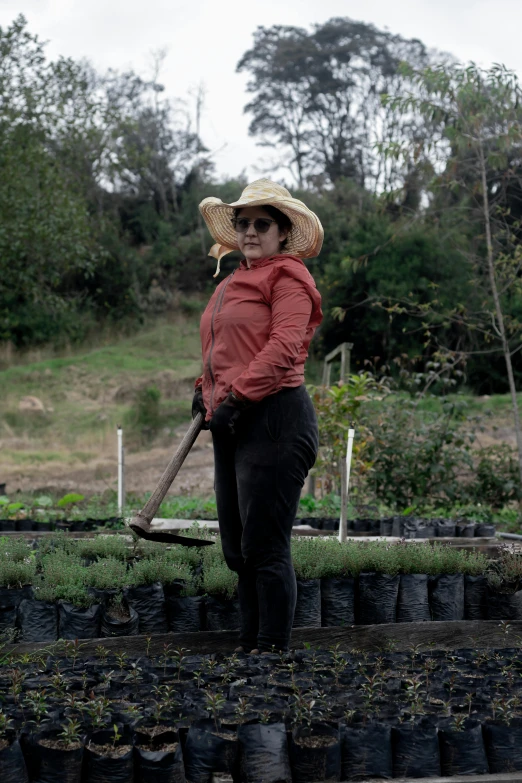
pixel 217 307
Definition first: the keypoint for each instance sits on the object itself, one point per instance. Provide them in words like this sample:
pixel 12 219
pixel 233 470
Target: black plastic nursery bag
pixel 366 751
pixel 10 598
pixel 263 753
pixel 446 594
pixel 504 745
pixel 149 602
pixel 75 622
pixel 376 601
pixel 184 613
pixel 337 601
pixel 386 526
pixel 484 530
pixel 504 606
pixel 415 749
pixel 113 626
pixel 58 764
pixel 159 766
pixel 322 762
pixel 412 601
pixel 222 614
pixel 308 605
pixel 209 750
pixel 465 529
pixel 462 750
pixel 107 767
pixel 446 528
pixel 475 597
pixel 12 764
pixel 38 621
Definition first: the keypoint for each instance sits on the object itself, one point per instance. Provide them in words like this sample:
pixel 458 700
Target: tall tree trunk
pixel 498 308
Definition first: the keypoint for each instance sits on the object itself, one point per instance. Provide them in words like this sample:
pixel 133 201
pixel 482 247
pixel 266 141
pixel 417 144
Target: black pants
pixel 259 476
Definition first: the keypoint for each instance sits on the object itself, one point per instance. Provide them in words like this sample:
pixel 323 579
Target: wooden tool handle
pixel 148 512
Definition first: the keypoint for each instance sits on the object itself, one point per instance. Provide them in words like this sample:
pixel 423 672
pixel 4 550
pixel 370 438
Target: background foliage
pixel 101 175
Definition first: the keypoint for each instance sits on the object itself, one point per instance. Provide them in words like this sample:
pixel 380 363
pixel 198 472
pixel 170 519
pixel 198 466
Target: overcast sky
pixel 206 38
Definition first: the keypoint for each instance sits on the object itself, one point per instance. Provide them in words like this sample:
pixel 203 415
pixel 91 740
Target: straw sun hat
pixel 305 239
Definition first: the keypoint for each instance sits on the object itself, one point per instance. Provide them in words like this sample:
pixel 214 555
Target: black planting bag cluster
pixel 405 527
pixel 305 717
pixel 74 525
pixel 371 598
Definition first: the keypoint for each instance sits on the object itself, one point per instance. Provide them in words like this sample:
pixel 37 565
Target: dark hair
pixel 283 221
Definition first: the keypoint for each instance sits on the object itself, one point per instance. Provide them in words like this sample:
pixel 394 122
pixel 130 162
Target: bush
pixel 410 449
pixel 159 569
pixel 310 557
pixel 418 455
pixel 338 408
pixel 107 573
pixel 15 549
pixel 496 478
pixel 438 559
pixel 64 579
pixel 73 593
pixel 505 573
pixel 113 546
pixel 217 579
pixel 317 558
pixel 17 573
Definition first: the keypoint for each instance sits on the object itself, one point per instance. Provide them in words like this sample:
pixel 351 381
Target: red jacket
pixel 256 330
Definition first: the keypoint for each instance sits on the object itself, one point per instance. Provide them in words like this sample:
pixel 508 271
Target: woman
pixel 255 334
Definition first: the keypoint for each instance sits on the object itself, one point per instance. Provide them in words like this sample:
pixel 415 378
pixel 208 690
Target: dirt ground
pixel 142 471
pixel 144 468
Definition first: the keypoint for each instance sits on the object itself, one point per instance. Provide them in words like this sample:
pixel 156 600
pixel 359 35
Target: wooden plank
pixel 370 638
pixel 499 777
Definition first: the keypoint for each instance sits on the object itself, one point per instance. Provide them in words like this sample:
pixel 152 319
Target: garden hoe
pixel 141 523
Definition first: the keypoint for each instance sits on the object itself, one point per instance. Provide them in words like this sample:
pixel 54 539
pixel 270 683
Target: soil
pixel 142 471
pixel 59 744
pixel 118 613
pixel 144 467
pixel 316 742
pixel 109 751
pixel 161 748
pixel 153 731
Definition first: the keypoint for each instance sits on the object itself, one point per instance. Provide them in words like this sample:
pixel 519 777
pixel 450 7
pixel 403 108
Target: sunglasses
pixel 261 225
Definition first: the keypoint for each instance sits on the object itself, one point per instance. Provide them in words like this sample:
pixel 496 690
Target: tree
pixel 318 96
pixel 91 169
pixel 476 117
pixel 45 228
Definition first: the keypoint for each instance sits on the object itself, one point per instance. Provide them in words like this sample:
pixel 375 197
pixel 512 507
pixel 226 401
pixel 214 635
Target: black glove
pixel 224 418
pixel 198 406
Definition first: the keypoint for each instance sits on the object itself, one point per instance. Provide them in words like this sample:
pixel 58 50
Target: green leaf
pixel 44 500
pixel 69 500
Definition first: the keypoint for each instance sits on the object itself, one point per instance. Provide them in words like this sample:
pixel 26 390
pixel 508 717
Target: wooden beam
pixel 370 638
pixel 499 777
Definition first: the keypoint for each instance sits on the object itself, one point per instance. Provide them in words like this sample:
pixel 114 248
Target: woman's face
pixel 254 245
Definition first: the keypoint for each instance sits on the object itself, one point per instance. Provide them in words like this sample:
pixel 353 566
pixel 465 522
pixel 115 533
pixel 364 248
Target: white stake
pixel 121 472
pixel 345 483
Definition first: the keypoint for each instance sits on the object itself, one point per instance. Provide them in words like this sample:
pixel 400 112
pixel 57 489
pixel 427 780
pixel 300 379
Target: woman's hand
pixel 198 406
pixel 226 415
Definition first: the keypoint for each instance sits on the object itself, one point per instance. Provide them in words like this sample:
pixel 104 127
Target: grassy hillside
pixel 86 395
pixel 71 442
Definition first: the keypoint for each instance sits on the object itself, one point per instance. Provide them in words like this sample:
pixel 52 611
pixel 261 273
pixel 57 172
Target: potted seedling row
pixel 307 715
pixel 106 586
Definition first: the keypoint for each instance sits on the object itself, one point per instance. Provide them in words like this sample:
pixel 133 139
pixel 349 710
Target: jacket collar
pixel 270 260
